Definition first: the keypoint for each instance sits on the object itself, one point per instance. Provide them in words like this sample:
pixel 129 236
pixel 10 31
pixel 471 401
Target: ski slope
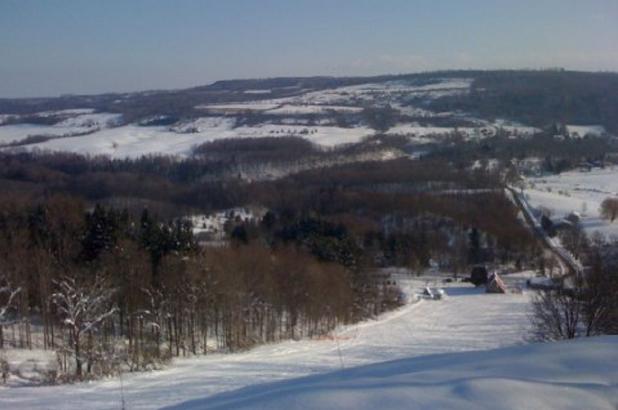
pixel 579 374
pixel 468 319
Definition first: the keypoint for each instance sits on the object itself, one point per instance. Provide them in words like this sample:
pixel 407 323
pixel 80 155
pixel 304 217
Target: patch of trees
pixel 609 209
pixel 427 195
pixel 380 118
pixel 559 154
pixel 107 289
pixel 585 304
pixel 540 98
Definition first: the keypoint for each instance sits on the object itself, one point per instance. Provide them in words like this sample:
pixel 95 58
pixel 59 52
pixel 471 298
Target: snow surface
pixel 580 374
pixel 69 111
pixel 214 223
pixel 258 91
pixel 28 366
pixel 246 106
pixel 415 130
pixel 289 109
pixel 577 191
pixel 583 130
pixel 80 123
pixel 467 319
pixel 134 141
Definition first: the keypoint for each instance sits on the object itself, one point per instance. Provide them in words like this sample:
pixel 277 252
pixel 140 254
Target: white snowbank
pixel 578 374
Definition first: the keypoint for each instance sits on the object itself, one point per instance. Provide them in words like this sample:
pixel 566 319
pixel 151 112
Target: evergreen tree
pixel 474 247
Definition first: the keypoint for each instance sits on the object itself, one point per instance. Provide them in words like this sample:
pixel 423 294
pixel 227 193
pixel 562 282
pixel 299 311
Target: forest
pixel 99 263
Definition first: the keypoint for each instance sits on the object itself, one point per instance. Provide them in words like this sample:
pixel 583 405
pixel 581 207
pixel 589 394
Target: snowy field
pixel 133 141
pixel 577 191
pixel 467 319
pixel 583 130
pixel 576 375
pixel 81 122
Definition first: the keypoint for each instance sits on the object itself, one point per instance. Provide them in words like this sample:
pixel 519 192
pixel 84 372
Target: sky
pixel 49 48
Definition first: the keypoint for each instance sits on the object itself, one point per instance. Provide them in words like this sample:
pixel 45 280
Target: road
pixel 569 265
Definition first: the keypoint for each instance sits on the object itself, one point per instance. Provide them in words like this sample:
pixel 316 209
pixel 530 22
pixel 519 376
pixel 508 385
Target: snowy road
pixel 467 319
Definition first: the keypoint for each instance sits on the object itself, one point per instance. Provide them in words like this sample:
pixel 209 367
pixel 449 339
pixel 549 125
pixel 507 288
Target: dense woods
pixel 541 97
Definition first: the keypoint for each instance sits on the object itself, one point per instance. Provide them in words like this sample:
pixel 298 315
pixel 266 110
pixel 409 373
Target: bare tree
pixel 600 305
pixel 84 307
pixel 8 293
pixel 586 307
pixel 555 315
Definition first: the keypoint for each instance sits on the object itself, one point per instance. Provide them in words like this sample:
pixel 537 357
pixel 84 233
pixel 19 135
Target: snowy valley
pixel 312 242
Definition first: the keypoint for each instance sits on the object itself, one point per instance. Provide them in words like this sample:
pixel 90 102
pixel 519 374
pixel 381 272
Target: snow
pixel 28 366
pixel 467 319
pixel 69 111
pixel 568 375
pixel 583 130
pixel 371 92
pixel 260 91
pixel 322 135
pixel 100 120
pixel 81 123
pixel 246 106
pixel 133 141
pixel 515 127
pixel 18 132
pixel 417 111
pixel 288 109
pixel 577 191
pixel 204 124
pixel 421 133
pixel 214 223
pixel 6 117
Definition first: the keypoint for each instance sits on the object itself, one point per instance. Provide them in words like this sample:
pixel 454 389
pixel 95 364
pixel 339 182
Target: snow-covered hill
pixel 326 117
pixel 467 319
pixel 428 354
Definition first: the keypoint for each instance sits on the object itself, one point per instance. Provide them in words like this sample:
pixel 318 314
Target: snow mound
pixel 578 374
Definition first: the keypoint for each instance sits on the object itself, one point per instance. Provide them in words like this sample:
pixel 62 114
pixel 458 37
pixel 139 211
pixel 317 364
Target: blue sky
pixel 70 46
